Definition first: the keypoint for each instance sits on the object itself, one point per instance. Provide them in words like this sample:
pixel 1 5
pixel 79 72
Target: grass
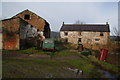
pixel 34 50
pixel 30 68
pixel 52 68
pixel 87 68
pixel 102 64
pixel 65 53
pixel 105 65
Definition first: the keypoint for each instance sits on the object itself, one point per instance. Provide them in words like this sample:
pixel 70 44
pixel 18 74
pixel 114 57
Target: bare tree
pixel 79 22
pixel 116 33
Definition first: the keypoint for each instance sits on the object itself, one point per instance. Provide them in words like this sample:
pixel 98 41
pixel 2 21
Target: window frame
pixel 101 34
pixel 27 17
pixel 66 40
pixel 97 39
pixel 79 39
pixel 66 33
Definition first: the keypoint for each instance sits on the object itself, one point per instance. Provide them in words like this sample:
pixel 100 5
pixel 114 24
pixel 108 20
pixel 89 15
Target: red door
pixel 103 54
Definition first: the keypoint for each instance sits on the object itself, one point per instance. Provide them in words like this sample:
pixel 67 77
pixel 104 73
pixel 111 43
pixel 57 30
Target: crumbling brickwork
pixel 11 34
pixel 34 20
pixel 18 31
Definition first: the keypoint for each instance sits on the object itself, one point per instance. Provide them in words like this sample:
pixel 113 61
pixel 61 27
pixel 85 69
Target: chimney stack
pixel 63 23
pixel 106 23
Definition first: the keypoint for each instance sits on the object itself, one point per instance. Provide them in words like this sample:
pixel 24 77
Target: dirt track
pixel 21 55
pixel 37 56
pixel 111 58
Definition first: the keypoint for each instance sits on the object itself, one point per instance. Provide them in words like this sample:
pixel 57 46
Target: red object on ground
pixel 103 54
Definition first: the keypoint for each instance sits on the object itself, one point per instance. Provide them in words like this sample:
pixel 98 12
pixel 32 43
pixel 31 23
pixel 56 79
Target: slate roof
pixel 86 27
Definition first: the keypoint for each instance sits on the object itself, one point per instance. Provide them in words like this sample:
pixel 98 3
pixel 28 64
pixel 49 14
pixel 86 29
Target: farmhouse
pixel 20 31
pixel 86 34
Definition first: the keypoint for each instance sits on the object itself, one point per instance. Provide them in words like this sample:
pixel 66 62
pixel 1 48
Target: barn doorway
pixel 47 30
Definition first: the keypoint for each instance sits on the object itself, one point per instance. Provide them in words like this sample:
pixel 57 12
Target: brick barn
pixel 17 29
pixel 90 35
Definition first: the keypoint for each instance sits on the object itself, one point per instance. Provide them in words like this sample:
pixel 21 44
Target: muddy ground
pixel 112 57
pixel 19 56
pixel 37 56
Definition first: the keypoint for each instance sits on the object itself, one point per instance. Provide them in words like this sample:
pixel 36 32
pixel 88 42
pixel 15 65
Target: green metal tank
pixel 48 44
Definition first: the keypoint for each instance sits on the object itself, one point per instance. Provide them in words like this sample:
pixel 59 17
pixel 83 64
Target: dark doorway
pixel 66 40
pixel 47 30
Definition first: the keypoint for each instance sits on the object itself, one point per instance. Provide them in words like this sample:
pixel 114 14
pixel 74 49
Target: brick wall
pixel 34 20
pixel 11 34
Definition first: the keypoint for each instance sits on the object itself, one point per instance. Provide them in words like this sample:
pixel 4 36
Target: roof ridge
pixel 98 27
pixel 29 11
pixel 82 24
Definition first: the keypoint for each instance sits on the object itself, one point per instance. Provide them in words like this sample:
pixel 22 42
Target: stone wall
pixel 88 39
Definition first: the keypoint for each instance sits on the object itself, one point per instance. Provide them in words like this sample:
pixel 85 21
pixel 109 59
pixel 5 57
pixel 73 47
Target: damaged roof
pixel 86 27
pixel 30 12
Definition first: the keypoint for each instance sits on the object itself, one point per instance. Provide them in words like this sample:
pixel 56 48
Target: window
pixel 66 40
pixel 66 33
pixel 27 16
pixel 97 39
pixel 101 34
pixel 79 34
pixel 79 39
pixel 89 40
pixel 97 43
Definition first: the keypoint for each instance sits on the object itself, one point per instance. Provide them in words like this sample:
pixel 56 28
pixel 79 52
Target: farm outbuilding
pixel 89 35
pixel 20 31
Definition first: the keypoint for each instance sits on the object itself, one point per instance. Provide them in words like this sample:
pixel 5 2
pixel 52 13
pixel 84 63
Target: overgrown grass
pixel 102 64
pixel 11 51
pixel 88 69
pixel 34 50
pixel 30 68
pixel 35 68
pixel 64 53
pixel 105 65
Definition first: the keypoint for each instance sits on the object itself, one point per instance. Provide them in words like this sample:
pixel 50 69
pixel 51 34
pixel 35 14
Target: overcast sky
pixel 69 12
